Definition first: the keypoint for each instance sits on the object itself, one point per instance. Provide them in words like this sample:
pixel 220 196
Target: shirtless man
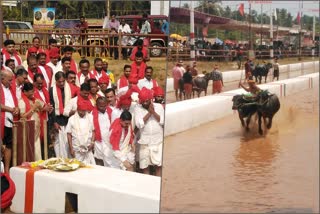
pixel 252 87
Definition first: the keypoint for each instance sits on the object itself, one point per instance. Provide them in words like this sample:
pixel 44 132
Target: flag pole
pixel 192 48
pixel 271 35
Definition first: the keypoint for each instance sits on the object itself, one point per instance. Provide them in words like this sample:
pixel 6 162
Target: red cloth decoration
pixel 123 82
pixel 157 91
pixel 31 74
pixel 145 94
pixel 7 195
pixel 43 114
pixel 82 105
pixel 241 9
pixel 298 17
pixel 133 79
pixel 95 114
pixel 73 66
pixel 138 70
pixel 27 103
pixel 116 134
pixel 87 102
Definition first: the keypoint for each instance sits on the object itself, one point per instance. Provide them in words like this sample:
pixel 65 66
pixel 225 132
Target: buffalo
pixel 200 84
pixel 261 71
pixel 268 106
pixel 246 108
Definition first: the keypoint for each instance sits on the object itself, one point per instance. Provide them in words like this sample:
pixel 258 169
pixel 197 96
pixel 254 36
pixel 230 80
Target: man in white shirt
pixel 147 81
pixel 54 57
pixel 21 78
pixel 145 29
pixel 149 119
pixel 124 28
pixel 81 134
pixel 110 95
pixel 71 106
pixel 84 75
pixel 102 122
pixel 9 110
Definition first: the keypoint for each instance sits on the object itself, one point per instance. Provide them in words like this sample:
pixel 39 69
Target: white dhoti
pixel 125 152
pixel 37 149
pixel 150 155
pixel 85 157
pixel 61 146
pixel 104 152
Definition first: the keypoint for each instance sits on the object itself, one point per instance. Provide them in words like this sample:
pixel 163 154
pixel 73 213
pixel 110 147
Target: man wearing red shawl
pixel 45 69
pixel 149 119
pixel 32 51
pixel 35 46
pixel 158 95
pixel 81 134
pixel 98 72
pixel 31 109
pixel 131 88
pixel 52 44
pixel 102 122
pixel 60 95
pixel 67 52
pixel 123 81
pixel 17 83
pixel 84 75
pixel 142 49
pixel 41 93
pixel 9 52
pixel 121 140
pixel 83 95
pixel 33 67
pixel 103 85
pixel 147 81
pixel 124 103
pixel 94 88
pixel 54 57
pixel 9 112
pixel 138 67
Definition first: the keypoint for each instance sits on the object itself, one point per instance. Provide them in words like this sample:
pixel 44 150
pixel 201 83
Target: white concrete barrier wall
pixel 184 115
pixel 99 190
pixel 235 75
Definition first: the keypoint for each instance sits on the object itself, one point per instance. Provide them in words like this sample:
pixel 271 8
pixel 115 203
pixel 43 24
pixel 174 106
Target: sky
pixel 310 7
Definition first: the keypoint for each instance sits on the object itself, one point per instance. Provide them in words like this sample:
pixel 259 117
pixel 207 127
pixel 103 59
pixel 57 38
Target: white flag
pixel 275 14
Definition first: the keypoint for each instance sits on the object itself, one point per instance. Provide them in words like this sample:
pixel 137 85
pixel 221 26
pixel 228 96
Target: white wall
pixel 156 8
pixel 184 115
pixel 99 190
pixel 230 76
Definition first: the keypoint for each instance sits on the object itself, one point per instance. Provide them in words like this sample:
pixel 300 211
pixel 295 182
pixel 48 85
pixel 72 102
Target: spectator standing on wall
pixel 165 27
pixel 82 26
pixel 145 29
pixel 124 29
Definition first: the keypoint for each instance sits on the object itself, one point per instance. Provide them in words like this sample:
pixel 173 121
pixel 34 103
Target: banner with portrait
pixel 43 18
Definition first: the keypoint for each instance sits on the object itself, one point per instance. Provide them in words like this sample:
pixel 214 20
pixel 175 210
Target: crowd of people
pixel 91 116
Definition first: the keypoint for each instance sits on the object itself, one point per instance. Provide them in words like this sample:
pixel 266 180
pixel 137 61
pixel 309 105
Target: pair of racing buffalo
pixel 266 105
